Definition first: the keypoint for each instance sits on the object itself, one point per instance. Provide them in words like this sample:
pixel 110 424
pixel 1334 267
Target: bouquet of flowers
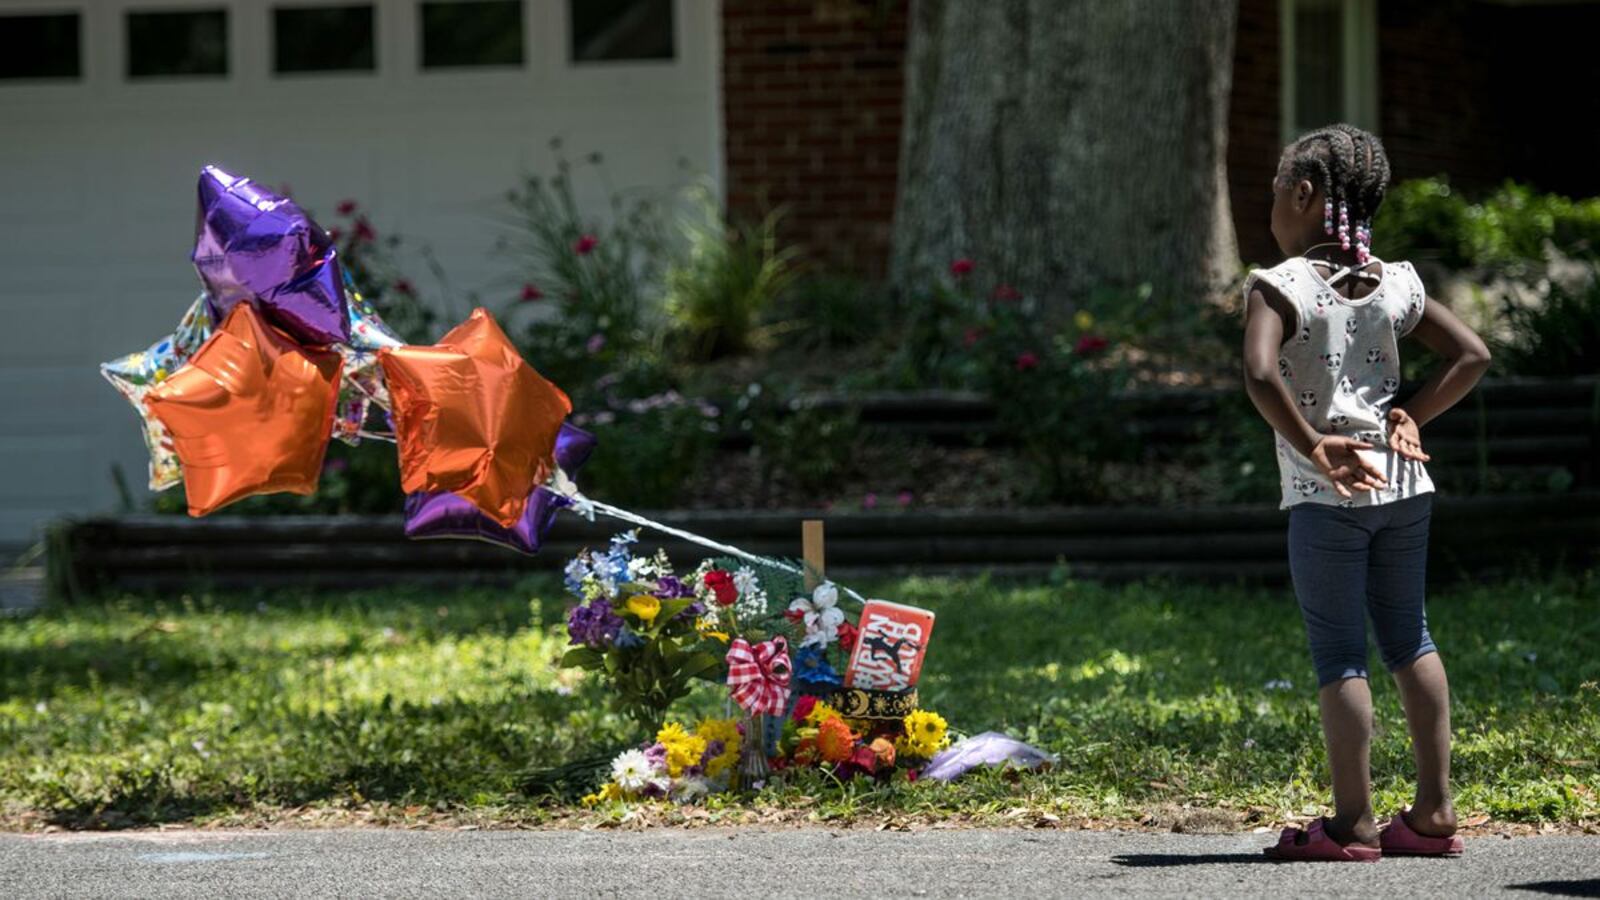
pixel 818 736
pixel 637 626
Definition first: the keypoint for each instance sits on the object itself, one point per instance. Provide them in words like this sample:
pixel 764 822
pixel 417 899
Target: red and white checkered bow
pixel 758 677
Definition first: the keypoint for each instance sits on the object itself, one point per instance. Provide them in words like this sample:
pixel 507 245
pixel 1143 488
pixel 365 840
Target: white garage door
pixel 424 111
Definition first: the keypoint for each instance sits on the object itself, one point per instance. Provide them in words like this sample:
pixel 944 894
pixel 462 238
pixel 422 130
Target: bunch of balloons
pixel 279 354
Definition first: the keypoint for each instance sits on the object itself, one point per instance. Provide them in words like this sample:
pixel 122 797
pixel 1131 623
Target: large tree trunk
pixel 1068 145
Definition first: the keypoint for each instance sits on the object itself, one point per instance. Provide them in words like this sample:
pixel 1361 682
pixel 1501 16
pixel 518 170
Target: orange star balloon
pixel 472 417
pixel 250 414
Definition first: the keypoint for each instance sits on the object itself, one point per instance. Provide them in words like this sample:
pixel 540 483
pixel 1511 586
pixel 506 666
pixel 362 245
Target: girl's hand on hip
pixel 1336 456
pixel 1405 437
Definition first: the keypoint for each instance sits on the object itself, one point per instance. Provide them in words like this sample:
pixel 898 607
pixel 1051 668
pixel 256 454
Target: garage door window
pixel 621 30
pixel 472 34
pixel 307 39
pixel 40 47
pixel 191 43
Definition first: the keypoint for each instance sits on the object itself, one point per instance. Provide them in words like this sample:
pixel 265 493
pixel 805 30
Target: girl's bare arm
pixel 1466 358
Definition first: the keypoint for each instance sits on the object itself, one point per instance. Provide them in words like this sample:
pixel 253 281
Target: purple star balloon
pixel 445 515
pixel 250 244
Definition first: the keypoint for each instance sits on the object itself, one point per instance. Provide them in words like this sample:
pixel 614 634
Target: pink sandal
pixel 1400 839
pixel 1319 847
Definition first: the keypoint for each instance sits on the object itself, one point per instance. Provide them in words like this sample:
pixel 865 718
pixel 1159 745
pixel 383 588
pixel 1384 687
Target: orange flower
pixel 883 748
pixel 835 740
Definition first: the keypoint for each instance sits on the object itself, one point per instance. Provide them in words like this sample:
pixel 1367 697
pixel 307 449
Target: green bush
pixel 1506 231
pixel 828 312
pixel 1560 337
pixel 647 448
pixel 726 281
pixel 604 277
pixel 807 444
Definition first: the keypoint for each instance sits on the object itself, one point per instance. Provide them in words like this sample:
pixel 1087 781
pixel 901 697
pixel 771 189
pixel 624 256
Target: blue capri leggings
pixel 1351 564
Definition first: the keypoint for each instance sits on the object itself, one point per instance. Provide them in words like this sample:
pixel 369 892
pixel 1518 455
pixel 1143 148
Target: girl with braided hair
pixel 1322 366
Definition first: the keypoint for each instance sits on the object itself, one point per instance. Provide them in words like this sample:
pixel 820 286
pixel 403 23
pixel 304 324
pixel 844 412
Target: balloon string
pixel 375 435
pixel 587 507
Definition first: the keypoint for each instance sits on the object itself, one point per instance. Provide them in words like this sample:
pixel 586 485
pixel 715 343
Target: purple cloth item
pixel 252 245
pixel 442 514
pixel 988 749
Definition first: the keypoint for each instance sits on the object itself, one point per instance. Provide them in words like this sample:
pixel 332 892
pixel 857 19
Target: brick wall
pixel 812 93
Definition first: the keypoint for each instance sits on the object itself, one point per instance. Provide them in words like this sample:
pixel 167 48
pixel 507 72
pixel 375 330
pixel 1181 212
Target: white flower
pixel 1279 684
pixel 631 536
pixel 690 789
pixel 640 568
pixel 752 602
pixel 821 615
pixel 631 770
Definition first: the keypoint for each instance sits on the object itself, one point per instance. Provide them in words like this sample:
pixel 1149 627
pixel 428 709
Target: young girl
pixel 1322 366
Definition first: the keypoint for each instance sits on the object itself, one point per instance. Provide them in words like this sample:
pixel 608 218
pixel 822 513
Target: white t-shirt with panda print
pixel 1342 365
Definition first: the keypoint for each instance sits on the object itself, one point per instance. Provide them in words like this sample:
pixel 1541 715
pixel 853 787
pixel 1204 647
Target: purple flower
pixel 714 749
pixel 596 343
pixel 657 755
pixel 671 586
pixel 594 625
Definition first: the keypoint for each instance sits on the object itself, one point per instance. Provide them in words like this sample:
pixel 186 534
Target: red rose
pixel 364 230
pixel 404 287
pixel 585 244
pixel 1005 292
pixel 1027 361
pixel 721 585
pixel 346 207
pixel 913 774
pixel 848 634
pixel 961 267
pixel 1090 344
pixel 530 292
pixel 864 759
pixel 803 707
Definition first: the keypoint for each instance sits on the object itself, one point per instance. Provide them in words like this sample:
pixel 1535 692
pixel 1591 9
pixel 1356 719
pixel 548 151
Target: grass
pixel 408 706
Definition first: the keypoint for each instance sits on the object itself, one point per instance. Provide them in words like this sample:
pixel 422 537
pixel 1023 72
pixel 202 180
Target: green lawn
pixel 394 705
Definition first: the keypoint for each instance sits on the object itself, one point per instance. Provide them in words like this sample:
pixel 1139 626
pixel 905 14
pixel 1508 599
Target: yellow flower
pixel 610 792
pixel 1084 320
pixel 161 374
pixel 820 713
pixel 591 800
pixel 645 607
pixel 685 753
pixel 726 731
pixel 926 726
pixel 671 733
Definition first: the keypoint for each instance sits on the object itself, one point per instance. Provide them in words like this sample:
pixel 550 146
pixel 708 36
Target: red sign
pixel 889 652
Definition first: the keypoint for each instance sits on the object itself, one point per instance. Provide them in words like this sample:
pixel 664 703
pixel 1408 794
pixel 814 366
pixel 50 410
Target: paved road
pixel 750 863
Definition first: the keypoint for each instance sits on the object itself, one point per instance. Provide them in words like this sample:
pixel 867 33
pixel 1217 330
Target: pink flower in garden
pixel 1005 293
pixel 904 498
pixel 585 244
pixel 961 267
pixel 597 342
pixel 346 207
pixel 1027 361
pixel 870 501
pixel 364 230
pixel 971 337
pixel 405 287
pixel 531 292
pixel 1090 344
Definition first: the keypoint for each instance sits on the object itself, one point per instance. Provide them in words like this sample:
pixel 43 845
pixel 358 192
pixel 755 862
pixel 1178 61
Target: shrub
pixel 647 448
pixel 1507 231
pixel 830 312
pixel 1560 337
pixel 726 281
pixel 810 445
pixel 604 278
